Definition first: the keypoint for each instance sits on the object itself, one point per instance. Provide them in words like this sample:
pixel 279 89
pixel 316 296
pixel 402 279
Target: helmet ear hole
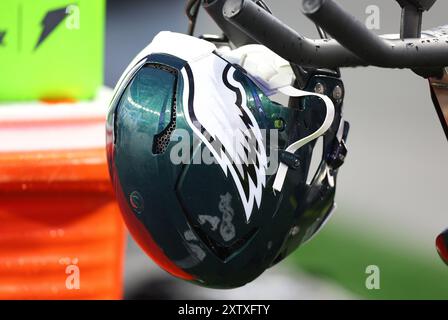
pixel 316 159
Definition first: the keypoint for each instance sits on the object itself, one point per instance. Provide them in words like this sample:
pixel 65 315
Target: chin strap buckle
pixel 290 159
pixel 337 157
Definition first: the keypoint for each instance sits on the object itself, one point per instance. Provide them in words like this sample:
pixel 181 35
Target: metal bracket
pixel 439 95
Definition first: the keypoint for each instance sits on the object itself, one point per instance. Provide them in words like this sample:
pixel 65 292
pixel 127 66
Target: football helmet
pixel 210 173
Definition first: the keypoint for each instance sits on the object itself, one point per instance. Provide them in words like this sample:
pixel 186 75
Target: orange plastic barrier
pixel 61 234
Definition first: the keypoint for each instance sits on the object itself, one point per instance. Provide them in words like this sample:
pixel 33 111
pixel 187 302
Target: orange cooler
pixel 61 234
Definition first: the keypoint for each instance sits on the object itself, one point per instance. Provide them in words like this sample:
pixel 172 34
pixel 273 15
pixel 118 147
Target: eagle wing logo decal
pixel 226 126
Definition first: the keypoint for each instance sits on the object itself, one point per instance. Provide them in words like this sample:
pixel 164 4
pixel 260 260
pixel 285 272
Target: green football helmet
pixel 210 173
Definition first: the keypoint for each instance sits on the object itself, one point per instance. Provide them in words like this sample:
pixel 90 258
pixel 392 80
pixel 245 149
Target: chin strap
pixel 292 148
pixel 274 74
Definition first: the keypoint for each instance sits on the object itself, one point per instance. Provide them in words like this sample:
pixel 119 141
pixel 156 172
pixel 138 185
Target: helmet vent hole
pixel 162 139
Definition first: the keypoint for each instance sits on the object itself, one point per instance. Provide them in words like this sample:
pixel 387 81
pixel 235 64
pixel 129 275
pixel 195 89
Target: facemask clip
pixel 337 157
pixel 290 159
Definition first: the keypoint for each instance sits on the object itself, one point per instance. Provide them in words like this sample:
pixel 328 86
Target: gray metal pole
pixel 354 35
pixel 277 36
pixel 353 44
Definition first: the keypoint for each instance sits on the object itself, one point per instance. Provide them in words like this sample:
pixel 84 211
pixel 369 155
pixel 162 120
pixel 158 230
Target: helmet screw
pixel 296 163
pixel 279 124
pixel 319 88
pixel 337 93
pixel 136 201
pixel 294 231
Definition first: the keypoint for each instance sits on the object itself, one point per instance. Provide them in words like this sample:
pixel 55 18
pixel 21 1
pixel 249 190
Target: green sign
pixel 51 49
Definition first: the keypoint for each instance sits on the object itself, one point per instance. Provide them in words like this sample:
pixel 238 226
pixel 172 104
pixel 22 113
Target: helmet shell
pixel 195 219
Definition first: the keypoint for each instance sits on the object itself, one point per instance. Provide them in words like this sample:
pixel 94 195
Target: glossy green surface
pixel 193 211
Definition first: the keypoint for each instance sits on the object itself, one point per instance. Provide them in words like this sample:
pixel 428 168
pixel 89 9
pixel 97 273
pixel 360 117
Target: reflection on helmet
pixel 194 147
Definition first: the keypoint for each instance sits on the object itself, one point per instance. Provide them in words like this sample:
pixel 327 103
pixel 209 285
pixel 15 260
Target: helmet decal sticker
pixel 226 126
pixel 193 244
pixel 212 221
pixel 226 227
